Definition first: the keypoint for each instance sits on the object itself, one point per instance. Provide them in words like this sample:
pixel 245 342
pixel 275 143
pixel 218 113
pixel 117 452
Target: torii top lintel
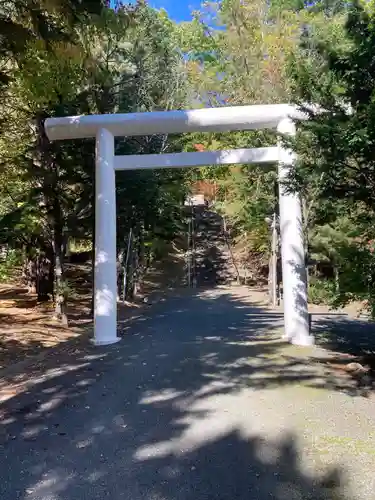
pixel 264 116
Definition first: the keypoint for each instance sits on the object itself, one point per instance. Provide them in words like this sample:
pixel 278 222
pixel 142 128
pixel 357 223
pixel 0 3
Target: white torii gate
pixel 105 127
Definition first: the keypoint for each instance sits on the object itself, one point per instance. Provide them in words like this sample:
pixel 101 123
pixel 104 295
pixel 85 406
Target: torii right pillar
pixel 296 316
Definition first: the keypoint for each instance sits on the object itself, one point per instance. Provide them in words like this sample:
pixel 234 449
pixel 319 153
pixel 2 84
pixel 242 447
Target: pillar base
pixel 303 342
pixel 100 342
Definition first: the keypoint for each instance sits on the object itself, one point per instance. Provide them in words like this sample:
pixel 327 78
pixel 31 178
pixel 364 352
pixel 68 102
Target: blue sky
pixel 179 10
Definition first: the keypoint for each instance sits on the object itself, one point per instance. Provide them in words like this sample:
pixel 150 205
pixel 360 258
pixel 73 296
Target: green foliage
pixel 67 58
pixel 23 23
pixel 124 60
pixel 357 276
pixel 77 246
pixel 322 291
pixel 9 264
pixel 317 53
pixel 335 73
pixel 246 63
pixel 342 137
pixel 248 197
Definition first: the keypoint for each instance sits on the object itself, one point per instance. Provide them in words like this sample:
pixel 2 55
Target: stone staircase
pixel 213 260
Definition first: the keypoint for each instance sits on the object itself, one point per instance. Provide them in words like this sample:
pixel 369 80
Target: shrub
pixel 322 291
pixel 9 265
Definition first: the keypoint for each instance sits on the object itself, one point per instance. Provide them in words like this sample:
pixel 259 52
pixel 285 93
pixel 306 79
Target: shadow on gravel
pixel 144 419
pixel 345 341
pixel 343 334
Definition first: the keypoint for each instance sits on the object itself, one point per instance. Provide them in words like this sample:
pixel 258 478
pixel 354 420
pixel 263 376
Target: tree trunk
pixel 141 262
pixel 270 275
pixel 49 188
pixel 135 270
pixel 120 274
pixel 65 248
pixel 30 270
pixel 305 228
pixel 93 270
pixel 272 266
pixel 125 266
pixel 60 283
pixel 337 278
pixel 38 274
pixel 45 276
pixel 129 286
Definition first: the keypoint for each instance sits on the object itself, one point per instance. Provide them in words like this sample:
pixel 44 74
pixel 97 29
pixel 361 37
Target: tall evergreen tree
pixel 335 87
pixel 123 61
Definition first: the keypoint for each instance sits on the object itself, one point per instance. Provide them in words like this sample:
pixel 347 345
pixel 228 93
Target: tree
pixel 113 66
pixel 28 21
pixel 334 86
pixel 245 63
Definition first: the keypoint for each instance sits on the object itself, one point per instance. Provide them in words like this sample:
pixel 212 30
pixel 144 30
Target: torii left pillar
pixel 105 286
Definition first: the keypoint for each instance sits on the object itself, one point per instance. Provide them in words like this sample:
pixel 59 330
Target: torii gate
pixel 105 127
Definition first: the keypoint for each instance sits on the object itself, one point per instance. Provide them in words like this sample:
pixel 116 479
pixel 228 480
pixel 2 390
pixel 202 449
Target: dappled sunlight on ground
pixel 201 399
pixel 28 328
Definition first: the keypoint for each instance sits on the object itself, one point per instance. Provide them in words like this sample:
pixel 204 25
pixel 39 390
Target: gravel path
pixel 200 400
